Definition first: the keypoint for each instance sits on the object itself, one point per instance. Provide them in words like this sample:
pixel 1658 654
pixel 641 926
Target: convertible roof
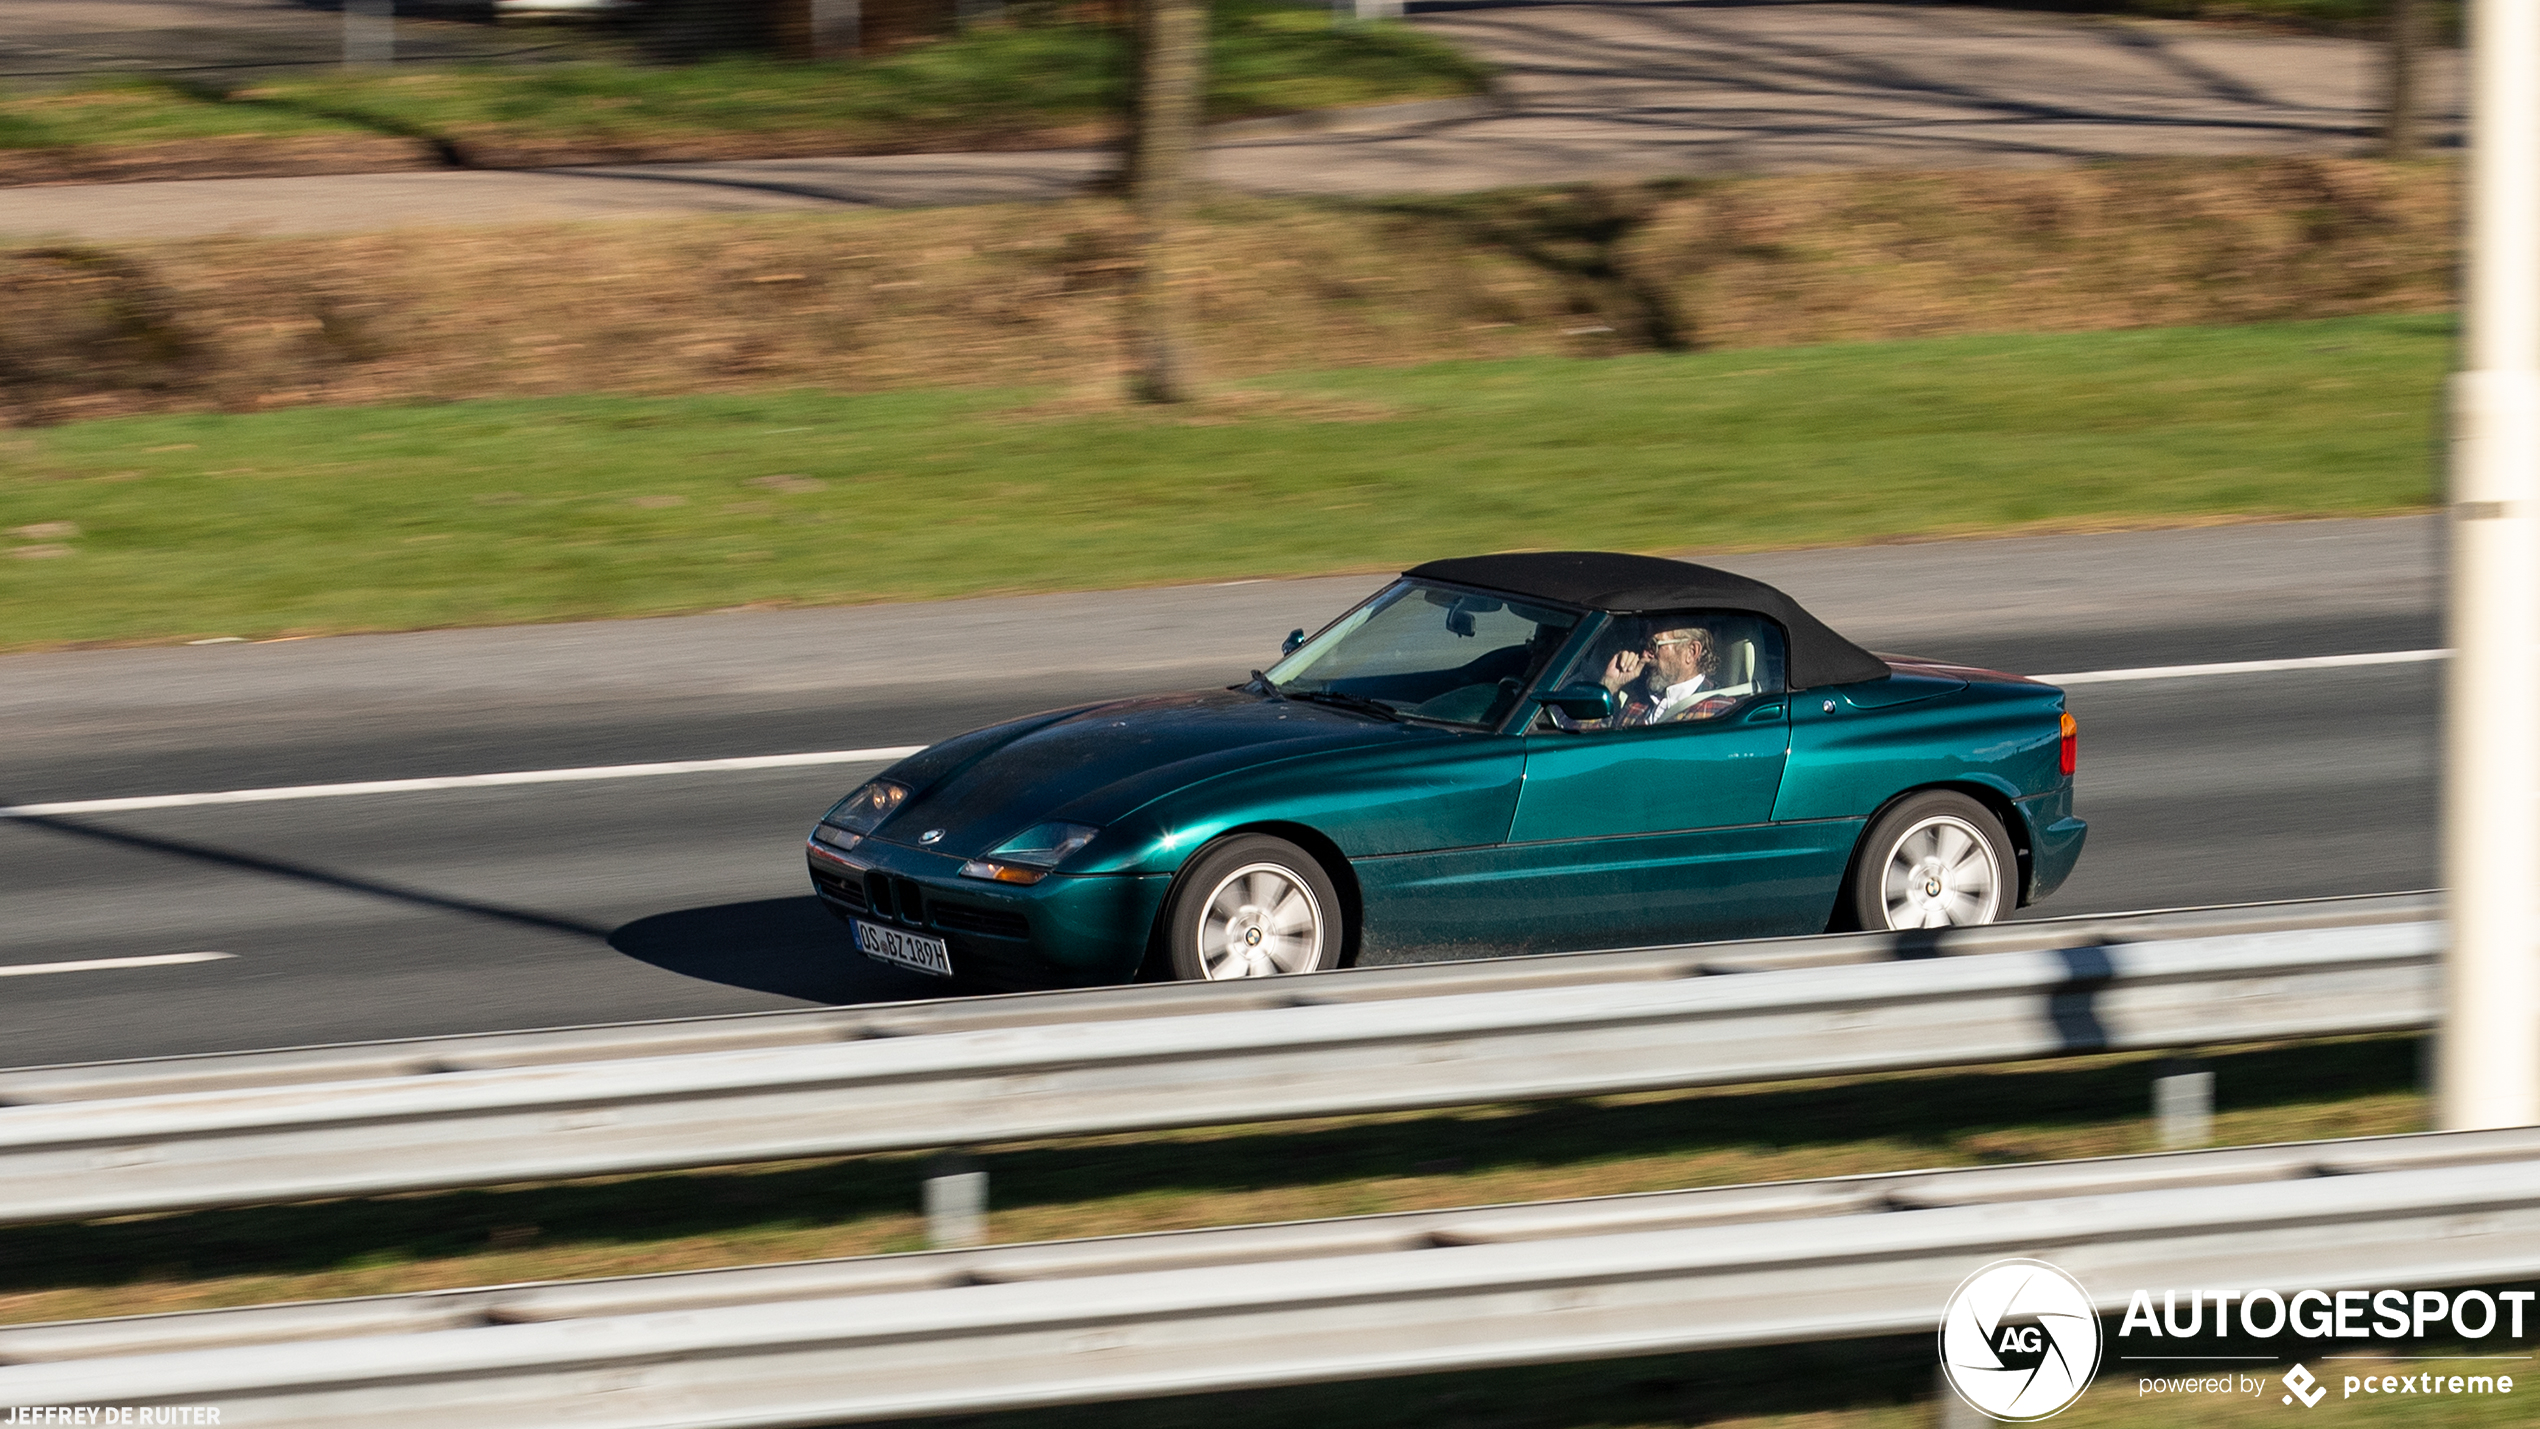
pixel 1638 585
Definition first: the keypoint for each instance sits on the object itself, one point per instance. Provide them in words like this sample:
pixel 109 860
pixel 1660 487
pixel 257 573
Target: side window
pixel 1687 666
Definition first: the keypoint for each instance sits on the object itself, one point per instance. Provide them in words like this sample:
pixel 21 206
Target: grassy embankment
pixel 994 85
pixel 329 519
pixel 1032 295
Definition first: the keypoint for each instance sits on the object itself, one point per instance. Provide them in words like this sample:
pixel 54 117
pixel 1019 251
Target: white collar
pixel 1680 692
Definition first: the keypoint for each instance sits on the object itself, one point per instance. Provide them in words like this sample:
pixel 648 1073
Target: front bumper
pixel 1068 930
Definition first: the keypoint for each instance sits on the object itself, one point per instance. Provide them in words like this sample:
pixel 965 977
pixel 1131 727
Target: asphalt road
pixel 487 909
pixel 1593 89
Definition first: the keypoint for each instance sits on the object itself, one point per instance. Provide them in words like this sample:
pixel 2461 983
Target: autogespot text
pixel 2358 1323
pixel 2322 1315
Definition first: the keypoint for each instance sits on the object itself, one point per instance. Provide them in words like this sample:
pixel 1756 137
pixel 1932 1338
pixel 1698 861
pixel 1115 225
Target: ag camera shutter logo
pixel 2019 1341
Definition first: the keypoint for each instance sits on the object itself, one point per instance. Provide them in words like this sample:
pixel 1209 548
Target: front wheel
pixel 1253 906
pixel 1936 860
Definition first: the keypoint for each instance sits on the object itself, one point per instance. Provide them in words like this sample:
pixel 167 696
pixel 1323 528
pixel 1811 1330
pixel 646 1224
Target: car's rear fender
pixel 1848 762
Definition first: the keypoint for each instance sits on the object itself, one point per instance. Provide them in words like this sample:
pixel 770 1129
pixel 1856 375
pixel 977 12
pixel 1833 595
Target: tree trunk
pixel 1164 132
pixel 2399 95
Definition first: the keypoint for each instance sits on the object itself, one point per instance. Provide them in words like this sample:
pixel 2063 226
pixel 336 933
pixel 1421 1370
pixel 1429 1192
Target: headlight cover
pixel 860 813
pixel 1029 856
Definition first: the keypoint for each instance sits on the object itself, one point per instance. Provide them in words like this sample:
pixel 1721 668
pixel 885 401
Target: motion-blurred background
pixel 2059 337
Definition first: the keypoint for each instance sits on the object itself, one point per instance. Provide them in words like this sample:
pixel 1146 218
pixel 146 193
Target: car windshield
pixel 1428 652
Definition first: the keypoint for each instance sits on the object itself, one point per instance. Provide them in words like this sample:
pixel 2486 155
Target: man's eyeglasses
pixel 1678 640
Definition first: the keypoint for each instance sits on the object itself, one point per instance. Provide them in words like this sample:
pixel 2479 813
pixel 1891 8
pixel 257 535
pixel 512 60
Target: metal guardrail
pixel 422 1056
pixel 1315 1056
pixel 550 1301
pixel 1275 1305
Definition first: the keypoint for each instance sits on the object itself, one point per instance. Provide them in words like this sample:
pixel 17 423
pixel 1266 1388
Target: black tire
pixel 1220 900
pixel 1921 862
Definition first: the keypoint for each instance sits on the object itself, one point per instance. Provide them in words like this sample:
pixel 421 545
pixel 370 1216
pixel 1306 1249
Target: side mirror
pixel 1295 638
pixel 1583 702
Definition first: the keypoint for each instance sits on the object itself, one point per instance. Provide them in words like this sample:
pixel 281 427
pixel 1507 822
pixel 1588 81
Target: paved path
pixel 482 909
pixel 1614 88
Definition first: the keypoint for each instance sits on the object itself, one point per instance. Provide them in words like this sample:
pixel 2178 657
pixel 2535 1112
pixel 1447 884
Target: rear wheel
pixel 1253 906
pixel 1935 860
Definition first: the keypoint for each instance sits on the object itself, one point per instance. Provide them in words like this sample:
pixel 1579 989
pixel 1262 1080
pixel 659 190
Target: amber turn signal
pixel 1002 872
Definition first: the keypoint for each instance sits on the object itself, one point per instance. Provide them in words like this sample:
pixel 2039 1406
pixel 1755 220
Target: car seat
pixel 1735 671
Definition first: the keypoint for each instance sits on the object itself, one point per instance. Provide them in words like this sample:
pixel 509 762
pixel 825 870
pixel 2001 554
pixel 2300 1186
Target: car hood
pixel 1096 765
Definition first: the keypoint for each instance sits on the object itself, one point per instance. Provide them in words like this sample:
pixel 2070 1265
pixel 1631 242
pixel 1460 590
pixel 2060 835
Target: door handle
pixel 1761 713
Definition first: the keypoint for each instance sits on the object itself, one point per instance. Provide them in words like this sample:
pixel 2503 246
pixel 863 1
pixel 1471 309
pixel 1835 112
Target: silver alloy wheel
pixel 1260 921
pixel 1941 873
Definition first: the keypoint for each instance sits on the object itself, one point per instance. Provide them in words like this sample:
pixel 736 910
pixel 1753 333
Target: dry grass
pixel 1030 296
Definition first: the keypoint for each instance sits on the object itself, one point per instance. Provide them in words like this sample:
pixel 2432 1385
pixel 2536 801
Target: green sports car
pixel 1492 755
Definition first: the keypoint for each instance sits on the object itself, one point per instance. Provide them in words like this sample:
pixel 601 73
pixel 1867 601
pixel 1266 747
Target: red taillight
pixel 2070 749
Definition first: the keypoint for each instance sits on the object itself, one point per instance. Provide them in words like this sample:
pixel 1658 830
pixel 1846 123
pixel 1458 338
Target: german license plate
pixel 908 950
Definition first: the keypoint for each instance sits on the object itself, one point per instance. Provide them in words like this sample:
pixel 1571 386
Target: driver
pixel 1677 662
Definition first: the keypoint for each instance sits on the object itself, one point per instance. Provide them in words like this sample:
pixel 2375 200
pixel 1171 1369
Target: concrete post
pixel 2489 1060
pixel 370 32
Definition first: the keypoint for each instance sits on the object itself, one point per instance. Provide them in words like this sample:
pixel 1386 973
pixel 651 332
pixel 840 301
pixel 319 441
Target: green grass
pixel 1265 59
pixel 328 519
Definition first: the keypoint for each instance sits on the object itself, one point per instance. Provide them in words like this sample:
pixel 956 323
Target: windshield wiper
pixel 1359 703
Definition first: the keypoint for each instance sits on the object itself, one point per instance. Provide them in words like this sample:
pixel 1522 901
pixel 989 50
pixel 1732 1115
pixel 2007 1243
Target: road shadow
pixel 787 946
pixel 311 875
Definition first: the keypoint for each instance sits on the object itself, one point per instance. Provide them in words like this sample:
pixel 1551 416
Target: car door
pixel 1629 832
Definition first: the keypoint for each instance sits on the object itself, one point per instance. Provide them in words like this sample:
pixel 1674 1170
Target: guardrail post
pixel 956 1202
pixel 1953 1412
pixel 370 32
pixel 2183 1104
pixel 835 28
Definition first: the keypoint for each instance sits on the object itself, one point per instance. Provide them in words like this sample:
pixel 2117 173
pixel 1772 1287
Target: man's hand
pixel 1624 668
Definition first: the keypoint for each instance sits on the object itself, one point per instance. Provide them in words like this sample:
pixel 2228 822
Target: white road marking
pixel 460 781
pixel 155 960
pixel 2246 667
pixel 902 751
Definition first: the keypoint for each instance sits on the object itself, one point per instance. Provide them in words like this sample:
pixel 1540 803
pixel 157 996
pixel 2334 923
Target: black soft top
pixel 1642 585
